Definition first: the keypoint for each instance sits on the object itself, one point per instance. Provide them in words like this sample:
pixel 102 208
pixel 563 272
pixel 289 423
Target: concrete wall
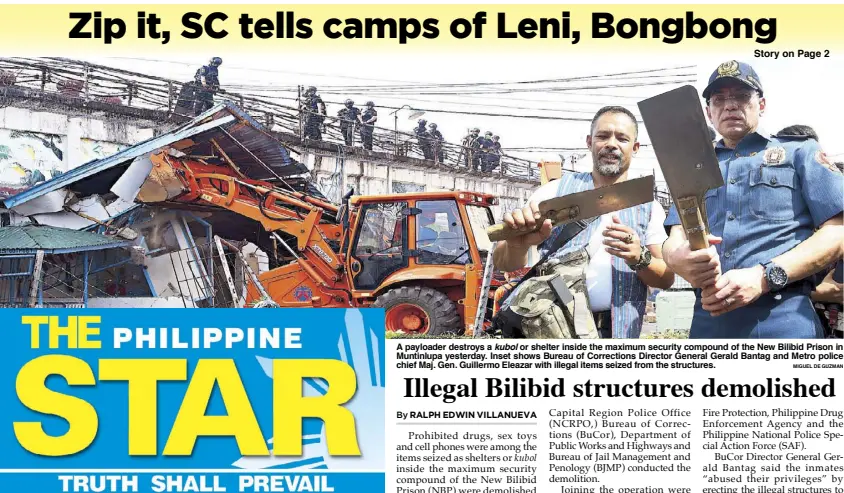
pixel 379 176
pixel 51 143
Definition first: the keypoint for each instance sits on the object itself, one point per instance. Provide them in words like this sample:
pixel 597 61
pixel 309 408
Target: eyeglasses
pixel 741 98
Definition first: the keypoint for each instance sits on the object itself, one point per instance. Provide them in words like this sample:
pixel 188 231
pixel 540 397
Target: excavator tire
pixel 419 310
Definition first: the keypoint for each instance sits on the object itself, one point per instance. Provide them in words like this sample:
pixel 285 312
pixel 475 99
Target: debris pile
pixel 149 252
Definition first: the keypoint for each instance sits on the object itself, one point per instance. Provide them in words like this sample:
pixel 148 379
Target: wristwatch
pixel 775 275
pixel 644 260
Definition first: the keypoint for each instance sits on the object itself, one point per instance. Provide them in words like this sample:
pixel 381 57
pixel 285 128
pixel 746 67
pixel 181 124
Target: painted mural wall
pixel 28 158
pixel 98 149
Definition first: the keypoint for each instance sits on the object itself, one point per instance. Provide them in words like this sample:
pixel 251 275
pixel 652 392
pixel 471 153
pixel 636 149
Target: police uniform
pixel 208 83
pixel 367 128
pixel 348 119
pixel 424 139
pixel 494 156
pixel 471 148
pixel 437 142
pixel 486 148
pixel 313 116
pixel 777 192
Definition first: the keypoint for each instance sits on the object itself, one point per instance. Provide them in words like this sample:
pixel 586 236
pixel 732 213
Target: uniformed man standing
pixel 349 119
pixel 367 120
pixel 494 157
pixel 424 139
pixel 471 146
pixel 775 222
pixel 436 141
pixel 313 109
pixel 207 82
pixel 485 150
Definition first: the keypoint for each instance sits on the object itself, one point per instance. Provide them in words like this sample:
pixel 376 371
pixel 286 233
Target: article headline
pixel 287 25
pixel 548 387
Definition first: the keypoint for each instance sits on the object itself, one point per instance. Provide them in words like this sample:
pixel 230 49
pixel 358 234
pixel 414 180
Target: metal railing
pixel 92 85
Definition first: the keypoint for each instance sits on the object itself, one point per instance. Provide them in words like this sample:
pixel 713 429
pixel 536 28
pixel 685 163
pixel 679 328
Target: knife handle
pixel 502 232
pixel 694 222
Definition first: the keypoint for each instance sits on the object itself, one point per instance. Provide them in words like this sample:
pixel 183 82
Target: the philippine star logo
pixel 361 349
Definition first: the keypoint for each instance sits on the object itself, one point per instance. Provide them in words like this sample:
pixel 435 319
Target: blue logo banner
pixel 176 400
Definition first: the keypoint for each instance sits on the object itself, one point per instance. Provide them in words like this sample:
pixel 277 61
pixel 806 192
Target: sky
pixel 797 91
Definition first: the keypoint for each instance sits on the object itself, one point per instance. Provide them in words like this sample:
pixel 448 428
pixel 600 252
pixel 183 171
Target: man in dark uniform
pixel 368 119
pixel 349 119
pixel 436 141
pixel 494 154
pixel 486 148
pixel 207 84
pixel 775 222
pixel 424 139
pixel 314 113
pixel 471 145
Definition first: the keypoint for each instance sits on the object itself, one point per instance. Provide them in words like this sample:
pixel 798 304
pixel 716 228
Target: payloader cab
pixel 421 257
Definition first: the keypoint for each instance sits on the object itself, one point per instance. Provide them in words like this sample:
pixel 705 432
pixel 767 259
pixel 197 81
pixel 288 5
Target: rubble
pixel 168 256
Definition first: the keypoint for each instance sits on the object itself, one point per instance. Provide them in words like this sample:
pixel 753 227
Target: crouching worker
pixel 593 276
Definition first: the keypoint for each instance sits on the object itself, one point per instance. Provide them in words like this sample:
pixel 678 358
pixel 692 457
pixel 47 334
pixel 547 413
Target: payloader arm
pixel 277 210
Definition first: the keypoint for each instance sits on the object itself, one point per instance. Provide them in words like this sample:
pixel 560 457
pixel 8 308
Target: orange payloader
pixel 420 256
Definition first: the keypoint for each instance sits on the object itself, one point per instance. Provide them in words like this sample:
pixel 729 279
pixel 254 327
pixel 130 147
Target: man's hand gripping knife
pixel 511 255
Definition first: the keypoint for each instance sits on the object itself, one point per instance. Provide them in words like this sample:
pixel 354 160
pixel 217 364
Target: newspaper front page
pixel 505 248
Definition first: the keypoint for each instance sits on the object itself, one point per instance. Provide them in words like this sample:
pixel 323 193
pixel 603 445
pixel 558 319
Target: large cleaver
pixel 583 205
pixel 681 140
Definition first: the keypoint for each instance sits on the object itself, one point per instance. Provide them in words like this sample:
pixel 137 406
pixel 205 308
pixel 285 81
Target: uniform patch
pixel 729 69
pixel 774 156
pixel 823 159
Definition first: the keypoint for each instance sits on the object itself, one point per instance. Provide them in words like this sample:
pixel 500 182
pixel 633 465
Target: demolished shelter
pixel 158 252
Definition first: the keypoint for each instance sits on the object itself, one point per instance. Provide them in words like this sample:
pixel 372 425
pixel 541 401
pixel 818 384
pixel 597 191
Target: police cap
pixel 733 70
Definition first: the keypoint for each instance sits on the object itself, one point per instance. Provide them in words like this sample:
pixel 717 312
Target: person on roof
pixel 349 117
pixel 313 113
pixel 207 80
pixel 367 120
pixel 424 139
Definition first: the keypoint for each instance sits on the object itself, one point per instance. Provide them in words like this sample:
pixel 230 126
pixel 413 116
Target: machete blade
pixel 681 141
pixel 586 204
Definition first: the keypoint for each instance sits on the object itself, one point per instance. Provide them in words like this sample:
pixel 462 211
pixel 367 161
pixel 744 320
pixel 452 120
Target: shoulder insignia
pixel 774 156
pixel 823 159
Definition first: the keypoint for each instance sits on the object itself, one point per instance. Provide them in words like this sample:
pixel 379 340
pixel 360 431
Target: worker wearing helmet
pixel 207 84
pixel 485 150
pixel 471 146
pixel 424 139
pixel 436 141
pixel 367 127
pixel 495 153
pixel 313 113
pixel 349 118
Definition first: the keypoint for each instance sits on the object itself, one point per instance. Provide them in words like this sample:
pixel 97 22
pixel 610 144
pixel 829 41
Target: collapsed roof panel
pixel 31 238
pixel 222 129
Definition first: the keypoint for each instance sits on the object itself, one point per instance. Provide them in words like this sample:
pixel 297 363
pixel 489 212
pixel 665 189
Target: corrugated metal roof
pixel 31 238
pixel 224 122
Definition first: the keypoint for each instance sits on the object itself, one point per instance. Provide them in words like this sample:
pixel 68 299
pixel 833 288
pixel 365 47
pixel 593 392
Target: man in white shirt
pixel 625 247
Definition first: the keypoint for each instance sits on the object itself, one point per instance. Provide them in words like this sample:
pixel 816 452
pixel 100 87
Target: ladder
pixel 484 294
